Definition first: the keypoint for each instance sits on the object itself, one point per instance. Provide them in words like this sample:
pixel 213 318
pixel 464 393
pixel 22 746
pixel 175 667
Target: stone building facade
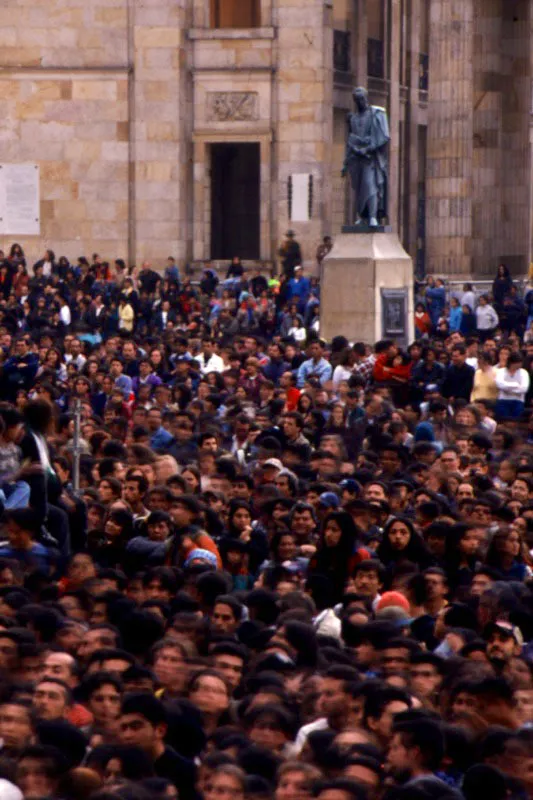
pixel 181 127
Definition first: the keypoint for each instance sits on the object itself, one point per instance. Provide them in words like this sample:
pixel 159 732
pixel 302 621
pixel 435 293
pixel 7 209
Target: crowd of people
pixel 239 562
pixel 503 309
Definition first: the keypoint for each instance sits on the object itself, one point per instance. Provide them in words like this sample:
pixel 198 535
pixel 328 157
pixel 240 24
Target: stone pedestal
pixel 367 289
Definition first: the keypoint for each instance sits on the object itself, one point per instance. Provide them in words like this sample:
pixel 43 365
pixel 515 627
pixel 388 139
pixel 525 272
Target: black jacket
pixel 458 381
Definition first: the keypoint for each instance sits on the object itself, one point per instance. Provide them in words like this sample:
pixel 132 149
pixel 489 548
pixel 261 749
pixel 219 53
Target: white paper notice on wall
pixel 300 201
pixel 20 212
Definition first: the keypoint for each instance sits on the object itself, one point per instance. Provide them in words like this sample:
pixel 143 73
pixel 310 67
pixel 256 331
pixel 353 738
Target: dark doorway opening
pixel 235 201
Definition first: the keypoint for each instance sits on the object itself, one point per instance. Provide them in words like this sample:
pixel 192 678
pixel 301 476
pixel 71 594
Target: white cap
pixel 273 462
pixel 9 791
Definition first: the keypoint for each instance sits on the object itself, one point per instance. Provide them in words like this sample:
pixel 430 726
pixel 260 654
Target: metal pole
pixel 76 450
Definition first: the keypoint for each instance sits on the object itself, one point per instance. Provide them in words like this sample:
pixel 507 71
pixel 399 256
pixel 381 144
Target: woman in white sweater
pixel 486 317
pixel 513 384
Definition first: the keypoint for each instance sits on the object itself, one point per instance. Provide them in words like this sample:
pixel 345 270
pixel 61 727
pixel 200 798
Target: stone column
pixel 200 247
pixel 450 138
pixel 161 110
pixel 489 88
pixel 304 88
pixel 395 22
pixel 359 41
pixel 412 123
pixel 516 148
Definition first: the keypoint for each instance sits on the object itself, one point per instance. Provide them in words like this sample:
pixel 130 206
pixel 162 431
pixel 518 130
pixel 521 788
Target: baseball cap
pixel 273 462
pixel 398 616
pixel 329 500
pixel 395 599
pixel 350 485
pixel 199 554
pixel 506 628
pixel 158 516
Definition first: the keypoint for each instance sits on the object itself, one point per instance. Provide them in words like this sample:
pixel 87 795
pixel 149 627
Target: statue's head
pixel 360 96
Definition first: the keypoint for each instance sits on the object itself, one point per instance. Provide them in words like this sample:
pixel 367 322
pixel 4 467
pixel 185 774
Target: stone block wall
pixel 64 33
pixel 93 92
pixel 161 111
pixel 110 97
pixel 76 129
pixel 304 97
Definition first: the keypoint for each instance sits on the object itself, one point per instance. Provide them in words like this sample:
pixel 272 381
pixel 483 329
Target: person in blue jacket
pixel 436 300
pixel 456 314
pixel 299 289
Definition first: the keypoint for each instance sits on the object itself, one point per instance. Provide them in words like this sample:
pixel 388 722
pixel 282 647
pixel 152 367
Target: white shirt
pixel 65 316
pixel 8 791
pixel 512 387
pixel 298 333
pixel 486 318
pixel 341 373
pixel 301 737
pixel 213 364
pixel 79 360
pixel 469 299
pixel 489 424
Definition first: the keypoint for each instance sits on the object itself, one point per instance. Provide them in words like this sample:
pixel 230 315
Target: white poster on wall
pixel 300 197
pixel 20 200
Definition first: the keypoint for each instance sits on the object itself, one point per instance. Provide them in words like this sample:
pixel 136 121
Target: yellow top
pixel 484 386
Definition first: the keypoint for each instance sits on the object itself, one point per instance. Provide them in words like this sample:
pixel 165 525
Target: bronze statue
pixel 366 159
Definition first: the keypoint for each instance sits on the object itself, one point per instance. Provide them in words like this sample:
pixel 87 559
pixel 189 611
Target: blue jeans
pixel 15 495
pixel 509 409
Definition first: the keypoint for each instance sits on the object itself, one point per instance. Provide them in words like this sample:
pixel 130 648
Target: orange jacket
pixel 200 541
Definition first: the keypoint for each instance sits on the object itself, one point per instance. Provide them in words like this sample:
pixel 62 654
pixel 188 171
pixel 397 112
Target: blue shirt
pixel 124 383
pixel 322 370
pixel 299 287
pixel 37 556
pixel 456 315
pixel 160 439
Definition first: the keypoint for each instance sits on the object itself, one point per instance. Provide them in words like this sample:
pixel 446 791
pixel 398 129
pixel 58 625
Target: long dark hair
pixel 494 553
pixel 38 415
pixel 182 395
pixel 234 506
pixel 125 519
pixel 453 556
pixel 335 562
pixel 416 551
pixel 350 533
